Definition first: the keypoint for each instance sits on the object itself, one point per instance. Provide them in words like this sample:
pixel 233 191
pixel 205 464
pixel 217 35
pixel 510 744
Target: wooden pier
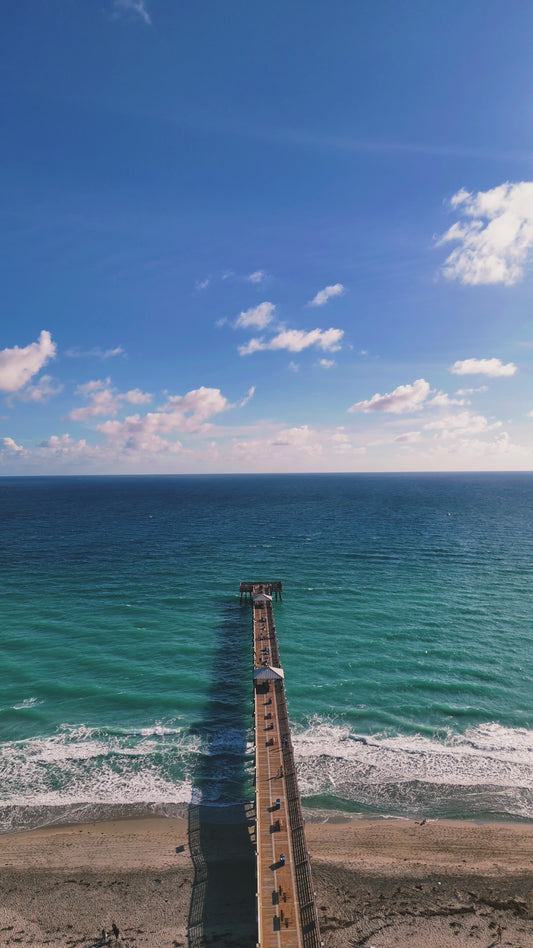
pixel 273 589
pixel 287 914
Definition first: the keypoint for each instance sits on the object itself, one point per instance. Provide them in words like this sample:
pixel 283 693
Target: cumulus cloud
pixel 11 447
pixel 257 276
pixel 495 237
pixel 196 406
pixel 493 367
pixel 136 397
pixel 500 445
pixel 64 447
pixel 326 363
pixel 302 437
pixel 291 448
pixel 43 390
pixel 443 400
pixel 405 398
pixel 135 7
pixel 295 340
pixel 103 399
pixel 328 293
pixel 149 433
pixel 258 317
pixel 18 366
pixel 462 422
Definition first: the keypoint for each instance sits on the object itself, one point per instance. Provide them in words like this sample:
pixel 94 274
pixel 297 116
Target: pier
pixel 287 914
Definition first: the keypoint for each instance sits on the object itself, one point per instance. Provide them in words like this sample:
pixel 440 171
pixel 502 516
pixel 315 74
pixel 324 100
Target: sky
pixel 266 236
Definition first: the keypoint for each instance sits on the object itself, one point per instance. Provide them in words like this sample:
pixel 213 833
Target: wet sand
pixel 379 883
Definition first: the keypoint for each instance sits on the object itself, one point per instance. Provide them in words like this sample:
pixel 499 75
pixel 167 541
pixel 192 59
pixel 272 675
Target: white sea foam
pixel 27 703
pixel 487 769
pixel 84 766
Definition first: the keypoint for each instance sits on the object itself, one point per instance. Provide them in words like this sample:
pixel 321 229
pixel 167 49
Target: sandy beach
pixel 379 883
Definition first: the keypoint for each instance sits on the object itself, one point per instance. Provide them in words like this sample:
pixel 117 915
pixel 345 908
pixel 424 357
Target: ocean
pixel 405 633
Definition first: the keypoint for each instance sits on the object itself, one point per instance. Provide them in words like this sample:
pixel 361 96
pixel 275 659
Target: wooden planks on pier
pixel 286 906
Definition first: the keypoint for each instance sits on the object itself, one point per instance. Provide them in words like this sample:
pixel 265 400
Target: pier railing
pixel 278 765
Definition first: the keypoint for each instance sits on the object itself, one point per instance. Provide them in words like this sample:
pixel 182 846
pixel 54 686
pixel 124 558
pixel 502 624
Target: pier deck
pixel 286 907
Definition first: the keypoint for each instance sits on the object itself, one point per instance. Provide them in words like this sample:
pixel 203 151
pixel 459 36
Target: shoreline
pixel 379 882
pixel 33 819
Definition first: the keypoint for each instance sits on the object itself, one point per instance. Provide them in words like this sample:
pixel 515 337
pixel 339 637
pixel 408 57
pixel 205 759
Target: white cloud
pixel 258 276
pixel 136 397
pixel 96 352
pixel 203 284
pixel 43 390
pixel 405 398
pixel 295 340
pixel 253 345
pixel 462 422
pixel 496 238
pixel 408 437
pixel 443 400
pixel 493 367
pixel 303 438
pixel 328 293
pixel 340 442
pixel 64 447
pixel 326 363
pixel 18 366
pixel 12 447
pixel 137 7
pixel 257 318
pixel 197 405
pixel 292 448
pixel 147 434
pixel 500 446
pixel 104 399
pixel 472 391
pixel 246 399
pixel 293 366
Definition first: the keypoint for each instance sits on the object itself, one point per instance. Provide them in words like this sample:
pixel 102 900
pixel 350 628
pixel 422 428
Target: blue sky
pixel 265 236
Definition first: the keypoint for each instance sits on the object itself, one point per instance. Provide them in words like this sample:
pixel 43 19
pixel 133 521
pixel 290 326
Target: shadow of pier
pixel 223 903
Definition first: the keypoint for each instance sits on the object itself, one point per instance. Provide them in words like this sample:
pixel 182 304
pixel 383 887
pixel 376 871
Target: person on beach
pixel 115 931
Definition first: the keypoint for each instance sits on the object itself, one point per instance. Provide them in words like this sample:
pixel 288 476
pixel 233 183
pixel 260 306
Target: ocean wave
pixel 485 771
pixel 27 703
pixel 160 764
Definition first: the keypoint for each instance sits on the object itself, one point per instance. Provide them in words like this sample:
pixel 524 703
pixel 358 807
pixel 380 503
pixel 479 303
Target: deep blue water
pixel 405 633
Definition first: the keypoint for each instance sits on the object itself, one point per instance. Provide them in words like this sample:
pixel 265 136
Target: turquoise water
pixel 405 633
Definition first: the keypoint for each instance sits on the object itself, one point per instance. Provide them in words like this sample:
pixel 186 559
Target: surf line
pixel 287 914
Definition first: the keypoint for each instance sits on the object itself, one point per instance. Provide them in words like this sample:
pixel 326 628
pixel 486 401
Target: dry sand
pixel 378 883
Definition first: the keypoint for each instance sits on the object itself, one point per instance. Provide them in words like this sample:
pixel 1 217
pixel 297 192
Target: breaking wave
pixel 485 772
pixel 82 773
